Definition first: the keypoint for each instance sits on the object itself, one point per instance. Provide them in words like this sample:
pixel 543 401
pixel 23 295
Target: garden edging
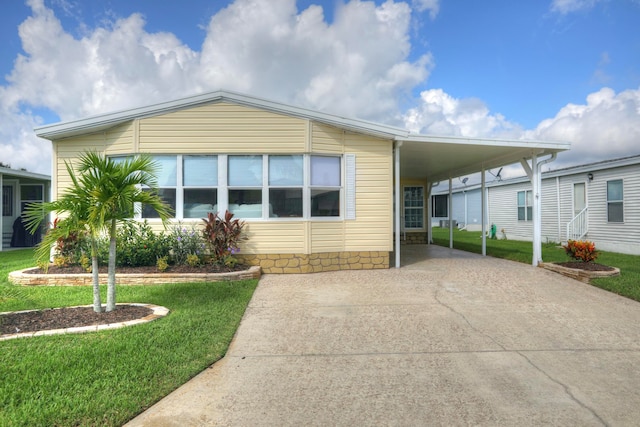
pixel 578 274
pixel 20 277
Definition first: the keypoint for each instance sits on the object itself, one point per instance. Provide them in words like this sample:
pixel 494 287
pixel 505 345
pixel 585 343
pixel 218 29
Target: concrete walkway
pixel 451 338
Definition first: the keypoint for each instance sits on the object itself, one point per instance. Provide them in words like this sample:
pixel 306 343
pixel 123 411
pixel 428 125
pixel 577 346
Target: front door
pixel 9 211
pixel 579 197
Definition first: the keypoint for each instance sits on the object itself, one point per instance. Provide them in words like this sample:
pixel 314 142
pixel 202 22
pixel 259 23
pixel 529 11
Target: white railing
pixel 578 227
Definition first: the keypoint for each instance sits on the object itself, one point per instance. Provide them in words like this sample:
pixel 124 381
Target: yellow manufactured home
pixel 317 192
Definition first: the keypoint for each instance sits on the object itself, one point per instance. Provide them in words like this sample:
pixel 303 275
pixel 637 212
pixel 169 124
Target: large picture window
pixel 200 185
pixel 167 183
pixel 286 180
pixel 249 186
pixel 413 207
pixel 615 204
pixel 525 206
pixel 325 186
pixel 30 193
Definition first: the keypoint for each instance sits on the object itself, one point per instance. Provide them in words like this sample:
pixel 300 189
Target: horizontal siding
pixel 69 150
pixel 120 139
pixel 222 128
pixel 372 228
pixel 327 236
pixel 326 139
pixel 550 212
pixel 503 211
pixel 274 237
pixel 610 235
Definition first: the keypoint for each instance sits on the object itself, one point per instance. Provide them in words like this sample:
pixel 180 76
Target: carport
pixel 433 159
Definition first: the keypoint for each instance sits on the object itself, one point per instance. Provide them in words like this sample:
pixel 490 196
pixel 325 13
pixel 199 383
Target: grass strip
pixel 106 378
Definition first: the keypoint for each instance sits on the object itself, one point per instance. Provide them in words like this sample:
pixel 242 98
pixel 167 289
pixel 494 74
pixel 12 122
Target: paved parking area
pixel 451 338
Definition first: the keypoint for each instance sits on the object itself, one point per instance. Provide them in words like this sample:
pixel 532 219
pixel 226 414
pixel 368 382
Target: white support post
pixel 450 213
pixel 1 215
pixel 429 218
pixel 537 223
pixel 484 212
pixel 398 200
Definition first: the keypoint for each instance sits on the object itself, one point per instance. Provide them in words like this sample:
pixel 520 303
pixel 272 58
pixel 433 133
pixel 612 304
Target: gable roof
pixel 429 157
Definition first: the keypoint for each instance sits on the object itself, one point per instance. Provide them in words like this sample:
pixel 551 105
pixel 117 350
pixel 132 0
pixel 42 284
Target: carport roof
pixel 433 158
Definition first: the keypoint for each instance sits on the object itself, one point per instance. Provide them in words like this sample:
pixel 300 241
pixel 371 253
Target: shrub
pixel 223 237
pixel 185 245
pixel 581 250
pixel 138 245
pixel 162 264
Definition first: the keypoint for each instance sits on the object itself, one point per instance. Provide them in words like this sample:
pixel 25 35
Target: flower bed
pixel 581 271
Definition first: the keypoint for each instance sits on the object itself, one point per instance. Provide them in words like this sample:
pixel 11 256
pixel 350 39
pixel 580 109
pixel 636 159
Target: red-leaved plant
pixel 223 236
pixel 581 250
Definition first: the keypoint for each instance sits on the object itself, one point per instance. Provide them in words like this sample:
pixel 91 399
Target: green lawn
pixel 106 378
pixel 627 284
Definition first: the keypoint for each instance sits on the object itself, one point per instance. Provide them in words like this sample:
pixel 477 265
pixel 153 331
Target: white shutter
pixel 350 186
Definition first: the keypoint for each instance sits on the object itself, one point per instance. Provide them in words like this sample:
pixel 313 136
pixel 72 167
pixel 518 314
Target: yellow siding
pixel 326 139
pixel 372 229
pixel 327 236
pixel 69 150
pixel 120 139
pixel 276 237
pixel 222 128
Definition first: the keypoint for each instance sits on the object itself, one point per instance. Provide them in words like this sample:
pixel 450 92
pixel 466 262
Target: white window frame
pixel 223 187
pixel 526 206
pixel 418 208
pixel 615 201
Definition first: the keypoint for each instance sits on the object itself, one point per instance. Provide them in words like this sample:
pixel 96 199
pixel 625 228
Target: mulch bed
pixel 588 266
pixel 68 317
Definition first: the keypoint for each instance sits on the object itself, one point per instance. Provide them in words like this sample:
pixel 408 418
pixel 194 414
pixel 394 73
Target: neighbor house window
pixel 525 206
pixel 31 193
pixel 245 186
pixel 286 181
pixel 615 206
pixel 167 184
pixel 7 200
pixel 200 185
pixel 440 208
pixel 325 185
pixel 413 207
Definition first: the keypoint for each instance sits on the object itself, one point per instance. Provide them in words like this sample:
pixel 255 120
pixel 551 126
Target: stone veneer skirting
pixel 313 263
pixel 413 238
pixel 578 274
pixel 22 278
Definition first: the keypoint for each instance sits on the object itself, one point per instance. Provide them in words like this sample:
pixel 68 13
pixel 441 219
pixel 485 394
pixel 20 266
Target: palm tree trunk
pixel 111 281
pixel 97 303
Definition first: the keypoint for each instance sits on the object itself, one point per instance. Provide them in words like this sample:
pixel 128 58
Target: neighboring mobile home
pixel 597 201
pixel 317 191
pixel 20 188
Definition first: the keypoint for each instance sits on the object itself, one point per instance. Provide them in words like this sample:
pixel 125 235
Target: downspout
pixel 483 206
pixel 450 213
pixel 396 150
pixel 1 215
pixel 558 208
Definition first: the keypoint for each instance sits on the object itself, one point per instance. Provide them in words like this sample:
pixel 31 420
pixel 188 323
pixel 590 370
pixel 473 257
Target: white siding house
pixel 597 201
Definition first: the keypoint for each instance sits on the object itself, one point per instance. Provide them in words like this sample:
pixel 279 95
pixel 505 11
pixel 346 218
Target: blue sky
pixel 536 69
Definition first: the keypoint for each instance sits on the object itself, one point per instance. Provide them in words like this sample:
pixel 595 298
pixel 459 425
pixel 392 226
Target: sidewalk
pixel 451 338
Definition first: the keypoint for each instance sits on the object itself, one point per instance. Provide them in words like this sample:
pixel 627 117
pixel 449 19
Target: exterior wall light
pixel 590 176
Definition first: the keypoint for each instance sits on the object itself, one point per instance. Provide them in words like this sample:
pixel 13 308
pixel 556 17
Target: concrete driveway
pixel 451 338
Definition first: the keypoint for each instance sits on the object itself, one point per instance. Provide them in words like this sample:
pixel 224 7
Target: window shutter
pixel 350 186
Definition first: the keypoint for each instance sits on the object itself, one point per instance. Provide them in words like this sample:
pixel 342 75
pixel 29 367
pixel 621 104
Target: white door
pixel 579 197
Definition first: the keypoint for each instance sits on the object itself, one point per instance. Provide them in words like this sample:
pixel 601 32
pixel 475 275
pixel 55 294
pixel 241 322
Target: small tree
pixel 102 195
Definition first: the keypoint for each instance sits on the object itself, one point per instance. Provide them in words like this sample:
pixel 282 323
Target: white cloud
pixel 567 6
pixel 357 66
pixel 440 113
pixel 606 127
pixel 433 6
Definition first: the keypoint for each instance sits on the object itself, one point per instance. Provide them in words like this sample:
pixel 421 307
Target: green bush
pixel 138 245
pixel 186 243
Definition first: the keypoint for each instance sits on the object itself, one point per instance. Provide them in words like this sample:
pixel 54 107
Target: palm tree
pixel 110 190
